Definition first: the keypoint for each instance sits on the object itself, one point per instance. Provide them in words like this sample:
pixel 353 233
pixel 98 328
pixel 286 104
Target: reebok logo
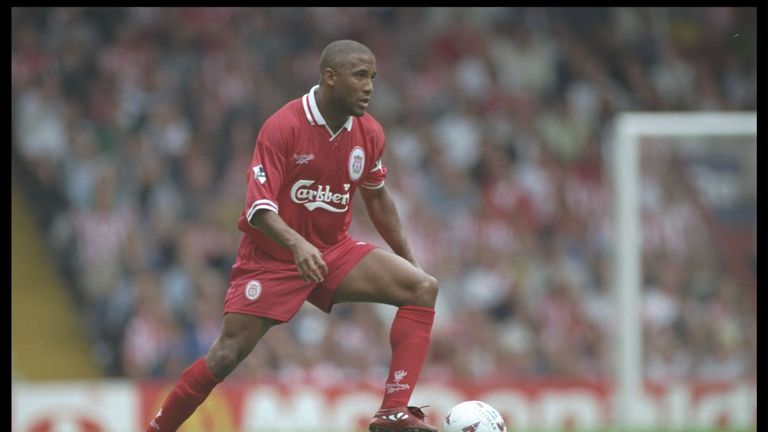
pixel 303 159
pixel 154 424
pixel 395 417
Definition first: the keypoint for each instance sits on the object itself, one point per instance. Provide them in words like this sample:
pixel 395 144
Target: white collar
pixel 313 113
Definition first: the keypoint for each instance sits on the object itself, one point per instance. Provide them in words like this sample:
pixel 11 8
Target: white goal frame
pixel 625 137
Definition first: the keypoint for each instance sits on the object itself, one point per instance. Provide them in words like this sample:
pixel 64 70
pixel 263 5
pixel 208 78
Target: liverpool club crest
pixel 356 163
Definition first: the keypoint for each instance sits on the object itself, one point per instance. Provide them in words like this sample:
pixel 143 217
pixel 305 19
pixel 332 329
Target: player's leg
pixel 384 277
pixel 239 335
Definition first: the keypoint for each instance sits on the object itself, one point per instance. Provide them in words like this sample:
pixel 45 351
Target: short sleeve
pixel 265 173
pixel 375 177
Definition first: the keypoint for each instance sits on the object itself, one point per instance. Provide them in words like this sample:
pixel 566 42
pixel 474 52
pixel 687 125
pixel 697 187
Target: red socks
pixel 409 337
pixel 193 386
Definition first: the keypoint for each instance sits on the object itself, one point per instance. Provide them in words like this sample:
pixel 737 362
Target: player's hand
pixel 309 262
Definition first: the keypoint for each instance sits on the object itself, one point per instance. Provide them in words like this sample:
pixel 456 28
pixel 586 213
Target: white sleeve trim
pixel 260 204
pixel 372 186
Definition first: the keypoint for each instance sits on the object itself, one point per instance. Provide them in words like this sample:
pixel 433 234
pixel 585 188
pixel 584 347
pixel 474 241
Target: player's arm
pixel 383 213
pixel 309 260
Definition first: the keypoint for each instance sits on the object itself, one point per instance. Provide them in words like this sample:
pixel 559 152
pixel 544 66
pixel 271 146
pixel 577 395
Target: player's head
pixel 347 70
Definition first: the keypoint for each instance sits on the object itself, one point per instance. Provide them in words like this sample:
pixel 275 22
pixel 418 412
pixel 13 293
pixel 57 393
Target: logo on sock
pixel 398 376
pixel 253 290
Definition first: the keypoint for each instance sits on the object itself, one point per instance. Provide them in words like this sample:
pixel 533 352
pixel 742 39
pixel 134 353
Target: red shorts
pixel 273 289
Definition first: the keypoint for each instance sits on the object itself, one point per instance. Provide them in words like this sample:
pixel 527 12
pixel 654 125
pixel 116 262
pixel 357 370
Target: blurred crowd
pixel 136 127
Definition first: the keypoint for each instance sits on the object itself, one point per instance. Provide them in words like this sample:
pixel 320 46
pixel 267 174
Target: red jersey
pixel 308 175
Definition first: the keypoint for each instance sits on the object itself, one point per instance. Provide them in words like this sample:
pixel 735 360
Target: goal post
pixel 625 137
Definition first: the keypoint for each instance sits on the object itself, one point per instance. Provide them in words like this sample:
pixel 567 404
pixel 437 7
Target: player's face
pixel 354 84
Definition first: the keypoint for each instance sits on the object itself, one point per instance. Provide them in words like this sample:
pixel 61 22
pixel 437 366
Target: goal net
pixel 684 239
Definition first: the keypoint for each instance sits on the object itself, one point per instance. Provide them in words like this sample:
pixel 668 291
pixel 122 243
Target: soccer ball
pixel 473 416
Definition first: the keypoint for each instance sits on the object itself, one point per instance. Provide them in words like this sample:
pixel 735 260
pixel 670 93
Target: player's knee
pixel 222 359
pixel 425 291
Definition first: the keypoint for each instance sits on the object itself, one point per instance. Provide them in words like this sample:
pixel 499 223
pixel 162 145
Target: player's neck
pixel 333 119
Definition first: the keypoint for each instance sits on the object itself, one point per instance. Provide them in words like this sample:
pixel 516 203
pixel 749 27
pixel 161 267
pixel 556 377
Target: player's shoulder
pixel 371 126
pixel 369 121
pixel 283 122
pixel 289 115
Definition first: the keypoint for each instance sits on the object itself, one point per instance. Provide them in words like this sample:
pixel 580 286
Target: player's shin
pixel 193 386
pixel 409 337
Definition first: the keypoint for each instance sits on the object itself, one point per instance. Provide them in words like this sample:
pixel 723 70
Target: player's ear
pixel 329 76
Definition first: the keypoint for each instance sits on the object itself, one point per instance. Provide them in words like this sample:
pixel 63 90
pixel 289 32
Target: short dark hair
pixel 335 54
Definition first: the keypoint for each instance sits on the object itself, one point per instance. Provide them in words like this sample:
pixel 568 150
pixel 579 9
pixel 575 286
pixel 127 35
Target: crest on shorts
pixel 356 163
pixel 253 290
